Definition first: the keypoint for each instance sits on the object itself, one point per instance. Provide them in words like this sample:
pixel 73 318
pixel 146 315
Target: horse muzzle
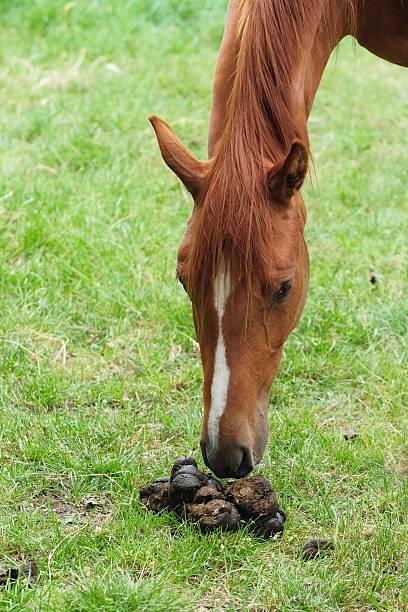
pixel 231 461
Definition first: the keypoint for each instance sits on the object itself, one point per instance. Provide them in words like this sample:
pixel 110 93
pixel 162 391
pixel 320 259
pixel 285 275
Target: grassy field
pixel 100 384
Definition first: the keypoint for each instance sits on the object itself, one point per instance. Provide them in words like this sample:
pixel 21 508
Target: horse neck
pixel 319 39
pixel 281 52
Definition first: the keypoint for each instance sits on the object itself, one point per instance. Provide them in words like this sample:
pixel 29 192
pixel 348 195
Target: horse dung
pixel 204 501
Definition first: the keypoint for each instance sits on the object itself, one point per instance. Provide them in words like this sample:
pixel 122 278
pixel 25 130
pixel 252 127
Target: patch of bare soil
pixel 95 511
pixel 27 572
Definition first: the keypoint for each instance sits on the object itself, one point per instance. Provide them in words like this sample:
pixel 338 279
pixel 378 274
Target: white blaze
pixel 220 381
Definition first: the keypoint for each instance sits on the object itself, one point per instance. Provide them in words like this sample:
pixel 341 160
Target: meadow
pixel 100 375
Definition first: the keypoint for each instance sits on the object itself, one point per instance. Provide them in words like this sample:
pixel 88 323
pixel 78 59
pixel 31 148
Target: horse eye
pixel 283 291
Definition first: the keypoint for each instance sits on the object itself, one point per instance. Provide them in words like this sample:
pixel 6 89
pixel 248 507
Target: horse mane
pixel 234 219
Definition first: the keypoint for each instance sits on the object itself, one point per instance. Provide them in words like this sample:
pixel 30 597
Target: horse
pixel 243 259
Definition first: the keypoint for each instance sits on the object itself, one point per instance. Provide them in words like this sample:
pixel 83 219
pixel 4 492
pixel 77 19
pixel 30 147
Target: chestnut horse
pixel 243 259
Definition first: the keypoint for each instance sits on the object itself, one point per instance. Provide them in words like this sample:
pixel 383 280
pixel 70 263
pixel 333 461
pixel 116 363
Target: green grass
pixel 100 374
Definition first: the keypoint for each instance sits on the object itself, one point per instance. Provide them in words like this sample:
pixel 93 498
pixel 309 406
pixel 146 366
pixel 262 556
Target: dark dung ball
pixel 253 497
pixel 184 485
pixel 313 548
pixel 155 495
pixel 181 462
pixel 213 482
pixel 206 494
pixel 268 526
pixel 215 514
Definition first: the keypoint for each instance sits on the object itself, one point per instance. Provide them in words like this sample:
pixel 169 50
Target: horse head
pixel 244 263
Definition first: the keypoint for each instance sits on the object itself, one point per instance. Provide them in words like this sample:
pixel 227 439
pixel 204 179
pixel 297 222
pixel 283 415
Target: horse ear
pixel 287 176
pixel 190 170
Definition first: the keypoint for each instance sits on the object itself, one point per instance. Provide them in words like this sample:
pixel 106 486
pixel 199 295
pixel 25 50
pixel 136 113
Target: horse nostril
pixel 247 463
pixel 204 453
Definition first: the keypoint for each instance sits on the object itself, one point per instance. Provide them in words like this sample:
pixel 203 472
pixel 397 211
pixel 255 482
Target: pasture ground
pixel 100 373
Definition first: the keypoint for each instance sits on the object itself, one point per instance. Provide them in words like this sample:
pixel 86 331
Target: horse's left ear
pixel 287 176
pixel 190 170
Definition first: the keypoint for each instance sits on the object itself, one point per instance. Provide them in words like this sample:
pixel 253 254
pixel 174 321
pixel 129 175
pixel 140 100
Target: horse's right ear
pixel 287 176
pixel 190 170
